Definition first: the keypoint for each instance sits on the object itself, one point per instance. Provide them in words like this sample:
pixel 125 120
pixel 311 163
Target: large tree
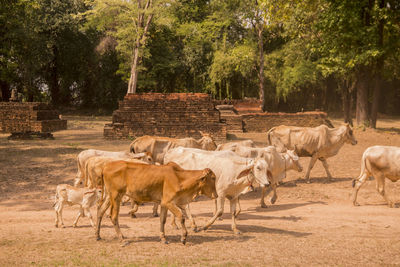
pixel 128 22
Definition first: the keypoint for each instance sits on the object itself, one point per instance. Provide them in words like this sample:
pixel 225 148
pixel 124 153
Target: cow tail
pixel 269 135
pixel 363 164
pixel 132 147
pixel 56 197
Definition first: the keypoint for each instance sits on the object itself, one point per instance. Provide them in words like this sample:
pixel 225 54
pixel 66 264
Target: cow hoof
pixel 155 215
pixel 133 216
pixel 63 226
pixel 183 242
pixel 391 205
pixel 165 242
pixel 237 232
pixel 124 244
pixel 356 204
pixel 197 229
pixel 74 225
pixel 98 238
pixel 264 206
pixel 273 200
pixel 308 182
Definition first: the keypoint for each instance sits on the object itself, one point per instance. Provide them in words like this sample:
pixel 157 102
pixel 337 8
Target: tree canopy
pixel 338 56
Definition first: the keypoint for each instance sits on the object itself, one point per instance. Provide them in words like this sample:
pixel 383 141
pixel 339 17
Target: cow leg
pixel 59 210
pixel 216 209
pixel 233 213
pixel 134 209
pixel 155 210
pixel 80 213
pixel 218 213
pixel 163 219
pixel 101 209
pixel 89 214
pixel 361 180
pixel 56 208
pixel 310 166
pixel 173 222
pixel 115 200
pixel 325 164
pixel 188 214
pixel 263 194
pixel 177 212
pixel 380 186
pixel 239 208
pixel 275 196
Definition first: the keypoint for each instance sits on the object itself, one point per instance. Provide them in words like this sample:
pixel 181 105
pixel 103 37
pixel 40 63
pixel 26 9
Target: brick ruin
pixel 186 114
pixel 242 118
pixel 23 119
pixel 174 115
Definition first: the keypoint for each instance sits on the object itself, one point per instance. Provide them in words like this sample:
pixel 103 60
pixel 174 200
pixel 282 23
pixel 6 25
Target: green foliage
pixel 79 52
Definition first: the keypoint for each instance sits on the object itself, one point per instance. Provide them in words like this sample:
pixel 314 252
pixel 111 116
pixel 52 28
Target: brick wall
pixel 173 115
pixel 262 122
pixel 16 117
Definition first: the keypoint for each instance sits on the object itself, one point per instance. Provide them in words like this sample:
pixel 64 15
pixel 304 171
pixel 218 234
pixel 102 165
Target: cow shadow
pixel 323 180
pixel 219 232
pixel 387 129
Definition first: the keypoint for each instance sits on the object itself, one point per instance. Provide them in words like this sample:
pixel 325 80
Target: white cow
pixel 84 197
pixel 234 175
pixel 318 143
pixel 380 162
pixel 86 154
pixel 278 165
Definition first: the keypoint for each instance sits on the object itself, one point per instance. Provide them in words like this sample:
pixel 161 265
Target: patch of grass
pixel 6 242
pixel 73 145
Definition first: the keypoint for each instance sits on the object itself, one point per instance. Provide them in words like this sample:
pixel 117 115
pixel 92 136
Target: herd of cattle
pixel 173 172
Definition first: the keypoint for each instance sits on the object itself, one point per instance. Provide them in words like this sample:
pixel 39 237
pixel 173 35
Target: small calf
pixel 84 197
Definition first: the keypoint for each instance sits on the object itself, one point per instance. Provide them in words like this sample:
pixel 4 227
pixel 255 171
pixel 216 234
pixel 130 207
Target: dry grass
pixel 310 224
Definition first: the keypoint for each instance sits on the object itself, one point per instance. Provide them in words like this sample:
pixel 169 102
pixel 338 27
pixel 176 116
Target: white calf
pixel 84 197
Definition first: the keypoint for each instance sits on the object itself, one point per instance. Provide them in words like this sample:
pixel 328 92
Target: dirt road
pixel 310 224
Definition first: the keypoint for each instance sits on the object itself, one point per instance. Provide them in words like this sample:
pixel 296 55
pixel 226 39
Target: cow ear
pixel 245 172
pixel 90 191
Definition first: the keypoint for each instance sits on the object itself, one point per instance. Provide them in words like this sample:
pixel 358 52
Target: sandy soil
pixel 310 224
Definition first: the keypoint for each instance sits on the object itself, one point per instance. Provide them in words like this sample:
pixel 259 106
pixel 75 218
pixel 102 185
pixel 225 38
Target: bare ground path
pixel 310 224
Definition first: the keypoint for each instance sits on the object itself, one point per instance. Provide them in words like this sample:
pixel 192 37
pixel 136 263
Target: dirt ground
pixel 310 224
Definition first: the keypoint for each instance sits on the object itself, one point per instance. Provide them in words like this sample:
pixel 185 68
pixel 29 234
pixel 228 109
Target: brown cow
pixel 318 143
pixel 159 145
pixel 169 185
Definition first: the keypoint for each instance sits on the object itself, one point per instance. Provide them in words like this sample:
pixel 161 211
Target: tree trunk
pixel 5 91
pixel 141 33
pixel 347 101
pixel 362 98
pixel 378 76
pixel 261 70
pixel 134 72
pixel 53 83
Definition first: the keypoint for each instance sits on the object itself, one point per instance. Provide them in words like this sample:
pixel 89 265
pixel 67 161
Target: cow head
pixel 260 171
pixel 207 143
pixel 294 160
pixel 349 135
pixel 94 192
pixel 207 184
pixel 78 182
pixel 144 156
